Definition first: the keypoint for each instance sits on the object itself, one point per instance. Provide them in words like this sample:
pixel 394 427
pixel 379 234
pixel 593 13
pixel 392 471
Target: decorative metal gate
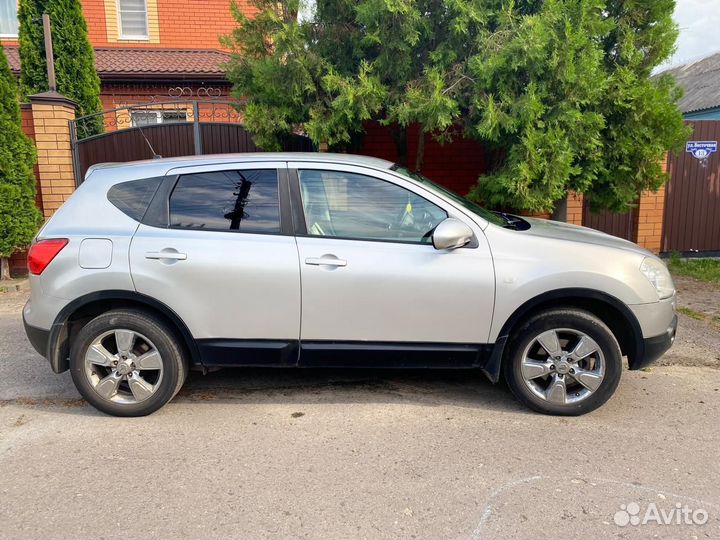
pixel 163 129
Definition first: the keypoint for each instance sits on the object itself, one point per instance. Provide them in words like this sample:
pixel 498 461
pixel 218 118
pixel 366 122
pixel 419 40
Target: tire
pixel 537 378
pixel 133 383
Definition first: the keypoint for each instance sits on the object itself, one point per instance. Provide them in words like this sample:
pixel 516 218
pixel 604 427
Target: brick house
pixel 147 48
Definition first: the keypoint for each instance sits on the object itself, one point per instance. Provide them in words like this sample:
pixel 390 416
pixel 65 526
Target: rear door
pixel 219 253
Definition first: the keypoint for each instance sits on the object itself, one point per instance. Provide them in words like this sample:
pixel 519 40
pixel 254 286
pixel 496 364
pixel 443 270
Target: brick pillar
pixel 51 114
pixel 651 216
pixel 574 213
pixel 650 212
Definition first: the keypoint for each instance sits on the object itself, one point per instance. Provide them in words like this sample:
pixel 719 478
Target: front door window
pixel 354 206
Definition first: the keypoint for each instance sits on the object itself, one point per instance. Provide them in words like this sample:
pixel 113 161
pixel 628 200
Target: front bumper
pixel 656 346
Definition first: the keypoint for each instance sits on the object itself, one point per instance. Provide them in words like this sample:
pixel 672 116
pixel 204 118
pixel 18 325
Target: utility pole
pixel 49 58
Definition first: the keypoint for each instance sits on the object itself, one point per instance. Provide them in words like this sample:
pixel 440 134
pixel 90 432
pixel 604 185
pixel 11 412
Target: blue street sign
pixel 701 149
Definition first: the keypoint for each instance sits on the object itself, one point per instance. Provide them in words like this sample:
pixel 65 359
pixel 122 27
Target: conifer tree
pixel 19 216
pixel 75 71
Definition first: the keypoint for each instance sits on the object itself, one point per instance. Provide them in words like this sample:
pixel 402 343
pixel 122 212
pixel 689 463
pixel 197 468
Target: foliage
pixel 19 217
pixel 286 85
pixel 560 92
pixel 700 269
pixel 354 64
pixel 74 57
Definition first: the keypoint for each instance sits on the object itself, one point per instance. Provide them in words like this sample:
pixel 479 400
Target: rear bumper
pixel 656 346
pixel 38 337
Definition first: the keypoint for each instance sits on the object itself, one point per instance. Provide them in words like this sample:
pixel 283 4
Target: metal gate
pixel 622 225
pixel 692 199
pixel 163 129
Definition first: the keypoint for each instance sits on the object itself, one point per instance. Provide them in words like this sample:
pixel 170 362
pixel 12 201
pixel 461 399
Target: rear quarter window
pixel 133 198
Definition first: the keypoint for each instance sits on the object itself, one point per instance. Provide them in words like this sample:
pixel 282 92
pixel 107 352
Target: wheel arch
pixel 81 310
pixel 613 312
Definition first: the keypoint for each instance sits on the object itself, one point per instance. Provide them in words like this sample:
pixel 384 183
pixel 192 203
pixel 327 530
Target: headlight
pixel 658 274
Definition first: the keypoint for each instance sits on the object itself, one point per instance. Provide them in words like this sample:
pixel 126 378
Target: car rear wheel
pixel 127 363
pixel 563 362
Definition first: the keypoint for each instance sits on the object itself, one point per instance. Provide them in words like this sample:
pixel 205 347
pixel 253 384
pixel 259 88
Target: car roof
pixel 162 165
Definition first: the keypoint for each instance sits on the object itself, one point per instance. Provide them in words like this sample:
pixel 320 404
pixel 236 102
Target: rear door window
pixel 237 200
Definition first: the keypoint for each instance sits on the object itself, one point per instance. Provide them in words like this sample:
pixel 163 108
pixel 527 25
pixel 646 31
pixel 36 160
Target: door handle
pixel 325 261
pixel 172 255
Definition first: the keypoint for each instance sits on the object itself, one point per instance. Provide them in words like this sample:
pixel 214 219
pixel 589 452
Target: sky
pixel 699 22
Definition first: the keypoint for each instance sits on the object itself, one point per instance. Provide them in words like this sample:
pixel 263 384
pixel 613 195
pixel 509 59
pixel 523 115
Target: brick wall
pixel 94 11
pixel 574 213
pixel 455 165
pixel 52 138
pixel 651 209
pixel 18 264
pixel 196 23
pixel 181 24
pixel 46 122
pixel 185 24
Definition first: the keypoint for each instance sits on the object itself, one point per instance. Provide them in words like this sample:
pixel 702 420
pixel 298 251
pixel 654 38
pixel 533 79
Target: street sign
pixel 701 149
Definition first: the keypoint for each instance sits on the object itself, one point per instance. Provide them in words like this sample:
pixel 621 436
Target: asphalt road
pixel 329 454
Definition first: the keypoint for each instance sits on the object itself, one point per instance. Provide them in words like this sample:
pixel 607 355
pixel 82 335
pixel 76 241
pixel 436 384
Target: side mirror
pixel 451 234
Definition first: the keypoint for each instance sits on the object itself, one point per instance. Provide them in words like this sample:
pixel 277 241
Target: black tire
pixel 569 318
pixel 174 361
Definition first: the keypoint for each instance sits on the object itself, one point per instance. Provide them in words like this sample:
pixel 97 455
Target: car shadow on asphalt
pixel 431 388
pixel 464 388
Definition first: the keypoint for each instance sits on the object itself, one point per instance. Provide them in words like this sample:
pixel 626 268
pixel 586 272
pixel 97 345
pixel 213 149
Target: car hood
pixel 574 233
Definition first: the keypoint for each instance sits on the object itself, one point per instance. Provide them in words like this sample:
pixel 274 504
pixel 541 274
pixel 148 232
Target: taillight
pixel 43 252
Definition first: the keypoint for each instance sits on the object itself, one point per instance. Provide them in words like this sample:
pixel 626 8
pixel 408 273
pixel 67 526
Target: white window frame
pixel 123 35
pixel 158 114
pixel 6 36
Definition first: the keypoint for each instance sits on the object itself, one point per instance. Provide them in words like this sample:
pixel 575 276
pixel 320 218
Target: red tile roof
pixel 131 63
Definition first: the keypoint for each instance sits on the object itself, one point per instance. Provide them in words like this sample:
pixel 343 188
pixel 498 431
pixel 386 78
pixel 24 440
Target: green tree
pixel 565 99
pixel 559 91
pixel 75 71
pixel 356 61
pixel 19 217
pixel 287 87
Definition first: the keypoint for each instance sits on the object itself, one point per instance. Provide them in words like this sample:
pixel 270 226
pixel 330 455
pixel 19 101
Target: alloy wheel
pixel 123 366
pixel 563 366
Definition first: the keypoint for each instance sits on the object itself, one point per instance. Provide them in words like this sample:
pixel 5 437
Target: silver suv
pixel 319 260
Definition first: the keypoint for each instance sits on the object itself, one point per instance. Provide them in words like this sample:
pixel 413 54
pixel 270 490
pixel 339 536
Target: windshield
pixel 476 209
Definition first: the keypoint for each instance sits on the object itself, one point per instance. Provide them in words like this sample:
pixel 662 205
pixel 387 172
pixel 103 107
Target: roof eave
pixel 119 76
pixel 703 109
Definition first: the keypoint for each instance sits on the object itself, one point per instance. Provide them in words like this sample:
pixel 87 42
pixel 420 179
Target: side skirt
pixel 356 354
pixel 248 352
pixel 343 354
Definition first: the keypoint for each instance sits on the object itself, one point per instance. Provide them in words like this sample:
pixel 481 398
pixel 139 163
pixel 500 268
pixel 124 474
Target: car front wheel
pixel 127 363
pixel 563 362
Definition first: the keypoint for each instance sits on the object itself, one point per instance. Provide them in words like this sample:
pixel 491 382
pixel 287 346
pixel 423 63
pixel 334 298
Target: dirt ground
pixel 13 300
pixel 698 341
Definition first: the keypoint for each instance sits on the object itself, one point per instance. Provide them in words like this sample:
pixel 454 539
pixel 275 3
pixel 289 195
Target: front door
pixel 374 289
pixel 224 264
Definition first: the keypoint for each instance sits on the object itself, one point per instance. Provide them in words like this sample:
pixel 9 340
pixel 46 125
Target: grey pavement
pixel 368 454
